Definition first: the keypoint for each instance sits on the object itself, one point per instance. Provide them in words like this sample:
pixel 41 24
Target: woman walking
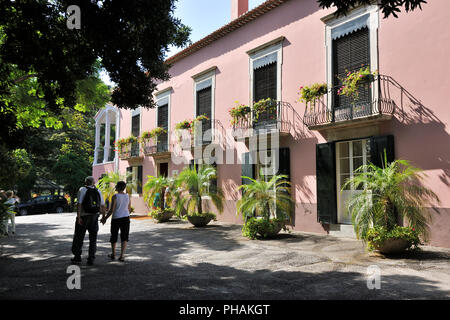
pixel 120 211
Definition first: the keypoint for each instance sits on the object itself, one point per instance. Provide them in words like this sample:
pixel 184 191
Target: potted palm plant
pixel 158 195
pixel 107 184
pixel 391 194
pixel 265 206
pixel 193 186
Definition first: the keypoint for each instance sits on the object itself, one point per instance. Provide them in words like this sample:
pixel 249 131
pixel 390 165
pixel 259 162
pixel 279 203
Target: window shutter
pixel 265 82
pixel 284 162
pixel 248 167
pixel 350 53
pixel 139 180
pixel 377 147
pixel 135 125
pixel 163 116
pixel 163 122
pixel 326 183
pixel 213 185
pixel 204 106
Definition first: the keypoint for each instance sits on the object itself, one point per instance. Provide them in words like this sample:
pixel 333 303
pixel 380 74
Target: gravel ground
pixel 176 261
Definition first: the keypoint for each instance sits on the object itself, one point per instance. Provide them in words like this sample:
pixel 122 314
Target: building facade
pixel 269 52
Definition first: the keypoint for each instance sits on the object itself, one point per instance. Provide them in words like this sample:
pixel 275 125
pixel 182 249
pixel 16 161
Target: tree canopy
pixel 388 7
pixel 129 38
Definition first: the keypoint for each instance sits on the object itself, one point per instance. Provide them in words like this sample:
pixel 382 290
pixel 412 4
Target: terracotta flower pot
pixel 393 246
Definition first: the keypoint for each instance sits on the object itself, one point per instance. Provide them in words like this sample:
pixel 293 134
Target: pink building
pixel 269 52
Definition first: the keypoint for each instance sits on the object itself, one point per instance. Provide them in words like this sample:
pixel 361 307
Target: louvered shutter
pixel 350 53
pixel 204 106
pixel 163 122
pixel 135 125
pixel 377 147
pixel 265 82
pixel 326 183
pixel 213 185
pixel 139 180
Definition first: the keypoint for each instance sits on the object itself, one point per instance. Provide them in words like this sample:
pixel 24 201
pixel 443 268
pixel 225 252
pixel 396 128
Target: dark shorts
pixel 122 224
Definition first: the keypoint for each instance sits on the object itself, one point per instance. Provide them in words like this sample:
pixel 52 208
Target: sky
pixel 203 17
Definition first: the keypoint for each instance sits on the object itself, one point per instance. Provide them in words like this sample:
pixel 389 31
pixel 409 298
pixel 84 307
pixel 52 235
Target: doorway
pixel 164 169
pixel 350 155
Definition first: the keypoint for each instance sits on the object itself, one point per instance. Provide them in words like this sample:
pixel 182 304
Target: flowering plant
pixel 264 106
pixel 124 145
pixel 239 112
pixel 313 92
pixel 153 134
pixel 185 124
pixel 378 235
pixel 352 81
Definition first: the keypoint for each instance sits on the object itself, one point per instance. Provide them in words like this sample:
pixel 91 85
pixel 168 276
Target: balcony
pixel 157 148
pixel 276 118
pixel 335 111
pixel 130 151
pixel 212 132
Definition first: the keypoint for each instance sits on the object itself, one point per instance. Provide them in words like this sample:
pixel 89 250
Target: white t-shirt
pixel 82 193
pixel 12 202
pixel 121 210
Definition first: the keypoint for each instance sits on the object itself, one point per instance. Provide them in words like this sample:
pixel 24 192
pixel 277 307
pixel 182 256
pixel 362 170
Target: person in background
pixel 12 202
pixel 120 210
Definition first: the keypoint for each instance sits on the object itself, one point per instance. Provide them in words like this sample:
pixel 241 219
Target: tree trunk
pixel 199 204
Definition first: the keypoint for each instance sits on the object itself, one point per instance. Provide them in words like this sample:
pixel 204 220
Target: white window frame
pixel 275 46
pixel 373 24
pixel 338 157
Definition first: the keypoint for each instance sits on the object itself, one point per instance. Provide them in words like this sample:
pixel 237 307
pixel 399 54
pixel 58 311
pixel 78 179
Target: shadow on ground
pixel 176 261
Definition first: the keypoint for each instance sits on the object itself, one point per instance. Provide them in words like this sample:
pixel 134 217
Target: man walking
pixel 90 204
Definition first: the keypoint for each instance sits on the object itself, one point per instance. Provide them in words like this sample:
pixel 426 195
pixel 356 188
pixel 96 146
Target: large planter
pixel 255 228
pixel 393 246
pixel 199 221
pixel 163 216
pixel 272 233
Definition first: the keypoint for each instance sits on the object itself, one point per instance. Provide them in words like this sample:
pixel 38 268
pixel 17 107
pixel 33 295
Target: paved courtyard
pixel 176 261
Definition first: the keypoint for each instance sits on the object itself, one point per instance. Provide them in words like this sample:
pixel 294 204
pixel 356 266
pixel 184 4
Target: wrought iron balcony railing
pixel 160 145
pixel 130 150
pixel 277 117
pixel 373 99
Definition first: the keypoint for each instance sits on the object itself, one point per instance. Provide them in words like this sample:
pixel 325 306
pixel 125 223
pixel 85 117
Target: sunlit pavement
pixel 176 261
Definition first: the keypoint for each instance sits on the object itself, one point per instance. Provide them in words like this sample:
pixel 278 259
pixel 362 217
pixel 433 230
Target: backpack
pixel 91 201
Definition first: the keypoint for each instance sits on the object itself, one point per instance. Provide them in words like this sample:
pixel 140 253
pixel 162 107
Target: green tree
pixel 388 7
pixel 129 38
pixel 70 170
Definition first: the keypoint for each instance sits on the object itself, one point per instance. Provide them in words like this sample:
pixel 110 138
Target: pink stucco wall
pixel 412 49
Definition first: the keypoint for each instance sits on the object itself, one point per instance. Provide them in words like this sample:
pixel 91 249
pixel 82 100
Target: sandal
pixel 111 256
pixel 121 259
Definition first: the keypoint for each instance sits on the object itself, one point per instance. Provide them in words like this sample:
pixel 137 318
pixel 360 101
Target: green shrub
pixel 262 227
pixel 208 215
pixel 378 235
pixel 158 214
